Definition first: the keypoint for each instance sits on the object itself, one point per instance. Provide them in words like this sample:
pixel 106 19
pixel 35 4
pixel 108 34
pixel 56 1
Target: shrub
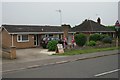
pixel 52 45
pixel 107 40
pixel 91 43
pixel 95 37
pixel 104 36
pixel 80 39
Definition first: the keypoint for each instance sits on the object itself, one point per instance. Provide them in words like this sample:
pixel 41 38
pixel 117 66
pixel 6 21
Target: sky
pixel 119 11
pixel 0 13
pixel 44 13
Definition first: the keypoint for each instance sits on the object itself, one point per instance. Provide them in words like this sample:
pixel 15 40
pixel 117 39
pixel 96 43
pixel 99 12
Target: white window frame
pixel 21 40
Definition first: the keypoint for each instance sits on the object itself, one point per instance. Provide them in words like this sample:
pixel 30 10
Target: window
pixel 22 38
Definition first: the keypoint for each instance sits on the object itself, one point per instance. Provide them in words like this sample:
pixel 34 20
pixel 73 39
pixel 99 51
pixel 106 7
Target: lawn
pixel 84 51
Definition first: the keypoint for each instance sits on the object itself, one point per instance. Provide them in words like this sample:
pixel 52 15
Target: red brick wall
pixel 6 39
pixel 28 44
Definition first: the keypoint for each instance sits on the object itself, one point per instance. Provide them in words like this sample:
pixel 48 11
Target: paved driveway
pixel 31 54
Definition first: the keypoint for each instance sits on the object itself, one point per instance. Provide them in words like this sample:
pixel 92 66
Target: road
pixel 102 67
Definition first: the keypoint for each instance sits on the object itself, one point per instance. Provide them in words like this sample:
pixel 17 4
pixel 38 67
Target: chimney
pixel 65 28
pixel 99 20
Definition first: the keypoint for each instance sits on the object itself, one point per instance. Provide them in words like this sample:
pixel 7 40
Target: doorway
pixel 36 40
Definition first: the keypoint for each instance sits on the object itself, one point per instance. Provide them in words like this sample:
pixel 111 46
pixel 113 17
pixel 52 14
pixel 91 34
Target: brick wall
pixel 6 39
pixel 28 44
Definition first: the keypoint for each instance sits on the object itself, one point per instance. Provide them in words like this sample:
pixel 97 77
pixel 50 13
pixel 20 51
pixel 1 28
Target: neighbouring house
pixel 90 27
pixel 27 36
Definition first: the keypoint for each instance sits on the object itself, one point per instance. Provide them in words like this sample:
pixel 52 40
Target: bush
pixel 80 39
pixel 91 43
pixel 104 36
pixel 95 37
pixel 107 40
pixel 52 45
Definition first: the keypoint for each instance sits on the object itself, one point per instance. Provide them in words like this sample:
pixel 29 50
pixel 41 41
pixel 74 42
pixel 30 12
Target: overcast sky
pixel 44 13
pixel 119 11
pixel 0 13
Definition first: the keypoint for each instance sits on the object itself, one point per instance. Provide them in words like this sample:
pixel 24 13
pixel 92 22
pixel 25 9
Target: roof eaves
pixel 35 32
pixel 96 31
pixel 5 29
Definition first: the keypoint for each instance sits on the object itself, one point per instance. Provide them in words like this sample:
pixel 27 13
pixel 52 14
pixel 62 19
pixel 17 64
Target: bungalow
pixel 90 27
pixel 26 36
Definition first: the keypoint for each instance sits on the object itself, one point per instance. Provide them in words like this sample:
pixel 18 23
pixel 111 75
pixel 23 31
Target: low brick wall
pixel 6 55
pixel 9 53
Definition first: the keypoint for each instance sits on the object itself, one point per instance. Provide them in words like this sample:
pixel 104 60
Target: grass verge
pixel 91 50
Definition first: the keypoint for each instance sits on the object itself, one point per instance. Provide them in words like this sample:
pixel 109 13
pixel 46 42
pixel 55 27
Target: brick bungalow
pixel 90 27
pixel 27 36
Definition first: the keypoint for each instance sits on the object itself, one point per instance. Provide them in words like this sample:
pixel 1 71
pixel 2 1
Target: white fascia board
pixel 96 31
pixel 71 32
pixel 54 32
pixel 37 33
pixel 5 29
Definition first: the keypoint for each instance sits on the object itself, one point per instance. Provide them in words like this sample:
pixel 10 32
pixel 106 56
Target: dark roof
pixel 86 26
pixel 91 26
pixel 31 28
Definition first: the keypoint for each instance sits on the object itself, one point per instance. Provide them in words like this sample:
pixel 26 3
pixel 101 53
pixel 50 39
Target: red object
pixel 65 39
pixel 117 23
pixel 73 40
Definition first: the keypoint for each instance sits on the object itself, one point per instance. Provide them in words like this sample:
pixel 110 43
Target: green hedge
pixel 80 39
pixel 95 37
pixel 52 45
pixel 91 43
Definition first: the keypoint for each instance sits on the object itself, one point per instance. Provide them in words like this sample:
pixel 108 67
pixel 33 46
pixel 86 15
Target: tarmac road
pixel 102 67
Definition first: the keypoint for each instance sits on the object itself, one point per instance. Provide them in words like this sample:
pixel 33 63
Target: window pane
pixel 24 37
pixel 18 37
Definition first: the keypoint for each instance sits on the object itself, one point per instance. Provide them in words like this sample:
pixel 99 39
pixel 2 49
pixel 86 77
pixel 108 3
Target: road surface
pixel 102 67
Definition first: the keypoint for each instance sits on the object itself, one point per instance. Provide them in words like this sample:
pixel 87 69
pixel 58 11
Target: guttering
pixel 39 32
pixel 36 33
pixel 53 32
pixel 96 31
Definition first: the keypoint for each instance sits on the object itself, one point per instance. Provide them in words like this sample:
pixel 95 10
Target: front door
pixel 36 40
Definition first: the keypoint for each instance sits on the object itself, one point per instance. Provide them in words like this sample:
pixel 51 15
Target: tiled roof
pixel 32 28
pixel 91 26
pixel 86 26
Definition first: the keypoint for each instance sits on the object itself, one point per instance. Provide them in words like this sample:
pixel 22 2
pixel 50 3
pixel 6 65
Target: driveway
pixel 31 54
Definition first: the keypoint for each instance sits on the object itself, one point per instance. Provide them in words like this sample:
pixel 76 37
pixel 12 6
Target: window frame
pixel 21 38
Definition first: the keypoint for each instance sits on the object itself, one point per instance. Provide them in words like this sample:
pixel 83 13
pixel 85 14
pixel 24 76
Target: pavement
pixel 38 61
